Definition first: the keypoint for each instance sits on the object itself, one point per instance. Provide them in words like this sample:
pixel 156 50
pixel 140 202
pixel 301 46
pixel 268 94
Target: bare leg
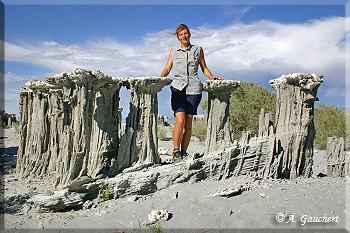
pixel 187 132
pixel 178 131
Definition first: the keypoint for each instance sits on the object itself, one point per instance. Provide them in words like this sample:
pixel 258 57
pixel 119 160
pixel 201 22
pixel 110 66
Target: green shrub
pixel 161 133
pixel 246 103
pixel 199 129
pixel 2 123
pixel 330 121
pixel 154 228
pixel 105 192
pixel 204 105
pixel 16 127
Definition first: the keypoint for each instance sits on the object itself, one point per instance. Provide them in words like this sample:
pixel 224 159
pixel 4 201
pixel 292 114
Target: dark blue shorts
pixel 180 102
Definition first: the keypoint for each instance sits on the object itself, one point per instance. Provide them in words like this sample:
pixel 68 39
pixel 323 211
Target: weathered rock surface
pixel 145 179
pixel 139 143
pixel 72 122
pixel 59 200
pixel 163 120
pixel 13 203
pixel 200 118
pixel 265 124
pixel 337 162
pixel 156 215
pixel 294 125
pixel 219 131
pixel 69 125
pixel 253 154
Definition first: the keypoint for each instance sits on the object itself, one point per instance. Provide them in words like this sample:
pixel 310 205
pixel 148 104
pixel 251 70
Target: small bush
pixel 105 192
pixel 204 105
pixel 2 123
pixel 246 103
pixel 330 121
pixel 154 228
pixel 161 133
pixel 16 127
pixel 199 129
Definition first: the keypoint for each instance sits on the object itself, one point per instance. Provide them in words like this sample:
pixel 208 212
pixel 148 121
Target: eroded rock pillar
pixel 294 125
pixel 69 126
pixel 139 143
pixel 337 162
pixel 219 131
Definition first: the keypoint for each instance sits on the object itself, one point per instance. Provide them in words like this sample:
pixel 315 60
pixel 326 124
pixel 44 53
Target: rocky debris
pixel 137 167
pixel 252 155
pixel 76 184
pixel 69 125
pixel 227 193
pixel 219 131
pixel 166 159
pixel 139 180
pixel 6 118
pixel 175 195
pixel 337 161
pixel 266 124
pixel 200 118
pixel 132 198
pixel 58 201
pixel 292 149
pixel 157 215
pixel 163 120
pixel 14 203
pixel 263 195
pixel 139 144
pixel 163 151
pixel 87 205
pixel 145 180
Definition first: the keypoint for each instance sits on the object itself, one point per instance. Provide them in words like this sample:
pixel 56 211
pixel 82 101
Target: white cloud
pixel 11 78
pixel 277 48
pixel 316 46
pixel 12 94
pixel 259 51
pixel 335 92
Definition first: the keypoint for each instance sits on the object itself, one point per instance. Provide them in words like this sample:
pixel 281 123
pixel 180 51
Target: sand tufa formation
pixel 294 125
pixel 70 127
pixel 140 143
pixel 337 161
pixel 219 131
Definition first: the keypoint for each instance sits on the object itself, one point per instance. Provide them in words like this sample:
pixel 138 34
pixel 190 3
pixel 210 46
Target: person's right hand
pixel 217 78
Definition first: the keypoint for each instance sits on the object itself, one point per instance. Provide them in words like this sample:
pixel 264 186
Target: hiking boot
pixel 184 154
pixel 177 155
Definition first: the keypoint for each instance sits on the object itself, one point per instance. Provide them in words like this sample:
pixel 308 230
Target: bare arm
pixel 168 67
pixel 204 67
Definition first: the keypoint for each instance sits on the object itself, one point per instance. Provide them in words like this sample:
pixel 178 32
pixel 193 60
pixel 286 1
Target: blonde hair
pixel 180 28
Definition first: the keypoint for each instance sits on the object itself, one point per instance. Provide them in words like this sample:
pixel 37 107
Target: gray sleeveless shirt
pixel 185 67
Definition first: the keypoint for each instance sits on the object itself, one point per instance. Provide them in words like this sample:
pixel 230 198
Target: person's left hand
pixel 217 78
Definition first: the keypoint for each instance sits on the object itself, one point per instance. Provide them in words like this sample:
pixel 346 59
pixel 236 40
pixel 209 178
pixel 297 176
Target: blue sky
pixel 244 42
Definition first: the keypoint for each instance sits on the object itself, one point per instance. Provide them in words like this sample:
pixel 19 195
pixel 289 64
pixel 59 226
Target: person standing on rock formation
pixel 186 88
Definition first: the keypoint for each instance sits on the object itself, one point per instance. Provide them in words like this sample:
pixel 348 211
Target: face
pixel 184 37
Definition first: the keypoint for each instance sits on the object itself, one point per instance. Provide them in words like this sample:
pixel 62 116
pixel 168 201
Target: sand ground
pixel 267 206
